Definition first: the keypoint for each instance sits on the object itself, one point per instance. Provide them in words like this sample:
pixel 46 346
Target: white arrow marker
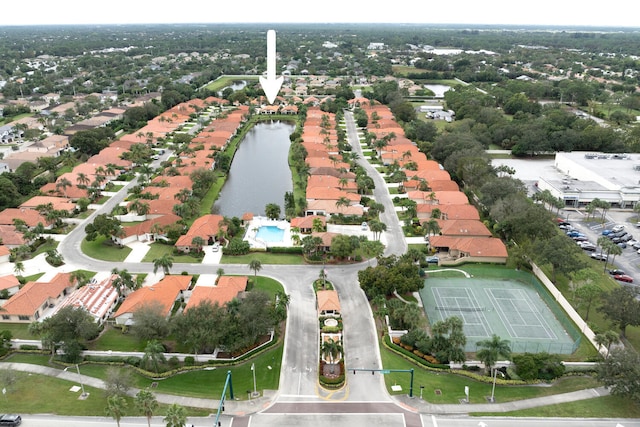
pixel 271 85
pixel 482 424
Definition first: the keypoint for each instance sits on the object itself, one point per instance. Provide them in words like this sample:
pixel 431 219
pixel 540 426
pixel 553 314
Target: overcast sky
pixel 620 13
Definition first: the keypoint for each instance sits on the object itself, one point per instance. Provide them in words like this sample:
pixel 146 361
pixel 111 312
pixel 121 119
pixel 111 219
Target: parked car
pixel 622 245
pixel 574 233
pixel 617 228
pixel 10 420
pixel 599 256
pixel 580 238
pixel 589 248
pixel 432 259
pixel 627 238
pixel 623 278
pixel 636 245
pixel 606 232
pixel 616 272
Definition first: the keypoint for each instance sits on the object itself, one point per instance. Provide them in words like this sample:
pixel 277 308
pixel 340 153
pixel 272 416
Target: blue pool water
pixel 270 233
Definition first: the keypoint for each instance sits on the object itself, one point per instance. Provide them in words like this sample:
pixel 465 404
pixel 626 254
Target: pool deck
pixel 260 221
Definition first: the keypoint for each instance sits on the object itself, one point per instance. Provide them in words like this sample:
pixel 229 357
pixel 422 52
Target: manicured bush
pixel 189 360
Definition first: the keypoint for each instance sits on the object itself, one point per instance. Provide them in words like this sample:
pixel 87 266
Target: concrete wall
pixel 568 308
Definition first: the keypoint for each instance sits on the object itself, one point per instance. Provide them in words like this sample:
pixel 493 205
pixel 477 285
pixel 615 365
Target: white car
pixel 617 228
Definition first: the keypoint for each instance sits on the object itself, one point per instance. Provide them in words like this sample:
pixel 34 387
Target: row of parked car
pixel 616 234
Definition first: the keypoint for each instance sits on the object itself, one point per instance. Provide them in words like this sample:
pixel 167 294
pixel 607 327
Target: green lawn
pixel 18 330
pixel 41 394
pixel 598 407
pixel 157 250
pixel 206 383
pixel 114 339
pixel 100 249
pixel 452 386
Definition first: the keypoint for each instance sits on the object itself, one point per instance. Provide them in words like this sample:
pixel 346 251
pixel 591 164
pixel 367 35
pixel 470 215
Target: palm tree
pixel 343 202
pixel 607 339
pixel 116 406
pixel 332 349
pixel 256 266
pixel 63 183
pixel 153 355
pixel 18 268
pixel 198 242
pixel 165 262
pixel 147 404
pixel 377 228
pixel 493 349
pixel 176 416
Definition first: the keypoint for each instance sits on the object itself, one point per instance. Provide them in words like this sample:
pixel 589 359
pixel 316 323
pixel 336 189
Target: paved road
pixel 300 401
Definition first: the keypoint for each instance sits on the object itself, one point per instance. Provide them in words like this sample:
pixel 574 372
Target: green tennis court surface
pixel 509 308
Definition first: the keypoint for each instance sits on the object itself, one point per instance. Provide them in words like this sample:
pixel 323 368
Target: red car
pixel 623 278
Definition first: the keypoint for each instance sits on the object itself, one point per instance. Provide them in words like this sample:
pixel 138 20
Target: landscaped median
pixel 331 374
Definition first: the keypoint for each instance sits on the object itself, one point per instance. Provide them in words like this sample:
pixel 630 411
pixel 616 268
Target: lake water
pixel 259 172
pixel 438 90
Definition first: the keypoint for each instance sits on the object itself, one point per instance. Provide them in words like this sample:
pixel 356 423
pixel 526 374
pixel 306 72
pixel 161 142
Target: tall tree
pixel 165 262
pixel 621 306
pixel 493 349
pixel 116 407
pixel 255 265
pixel 176 416
pixel 147 403
pixel 619 372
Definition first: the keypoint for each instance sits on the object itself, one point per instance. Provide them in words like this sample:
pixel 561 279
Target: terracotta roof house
pixel 99 299
pixel 228 288
pixel 328 303
pixel 72 192
pixel 448 211
pixel 4 254
pixel 31 217
pixel 451 198
pixel 328 208
pixel 10 237
pixel 326 239
pixel 206 227
pixel 428 174
pixel 343 184
pixel 165 293
pixel 332 172
pixel 161 206
pixel 305 223
pixel 113 156
pixel 469 249
pixel 9 283
pixel 331 193
pixel 320 162
pixel 33 299
pixel 58 203
pixel 147 231
pixel 463 228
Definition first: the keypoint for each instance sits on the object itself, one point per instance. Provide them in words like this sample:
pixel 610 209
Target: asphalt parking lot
pixel 629 260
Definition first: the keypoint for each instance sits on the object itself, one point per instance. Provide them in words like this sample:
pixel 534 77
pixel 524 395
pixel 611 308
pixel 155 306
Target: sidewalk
pixel 245 407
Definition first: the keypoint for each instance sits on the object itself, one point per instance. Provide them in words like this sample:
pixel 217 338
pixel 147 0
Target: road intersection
pixel 300 401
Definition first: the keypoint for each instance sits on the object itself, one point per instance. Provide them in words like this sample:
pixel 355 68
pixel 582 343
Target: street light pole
pixel 493 388
pixel 83 395
pixel 253 369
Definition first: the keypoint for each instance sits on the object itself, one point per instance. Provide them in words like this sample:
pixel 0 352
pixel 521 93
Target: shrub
pixel 173 362
pixel 189 361
pixel 133 361
pixel 543 366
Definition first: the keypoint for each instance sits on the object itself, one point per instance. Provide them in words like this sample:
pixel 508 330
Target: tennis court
pixel 509 308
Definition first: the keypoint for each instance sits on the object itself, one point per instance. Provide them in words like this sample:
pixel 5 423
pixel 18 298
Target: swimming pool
pixel 270 234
